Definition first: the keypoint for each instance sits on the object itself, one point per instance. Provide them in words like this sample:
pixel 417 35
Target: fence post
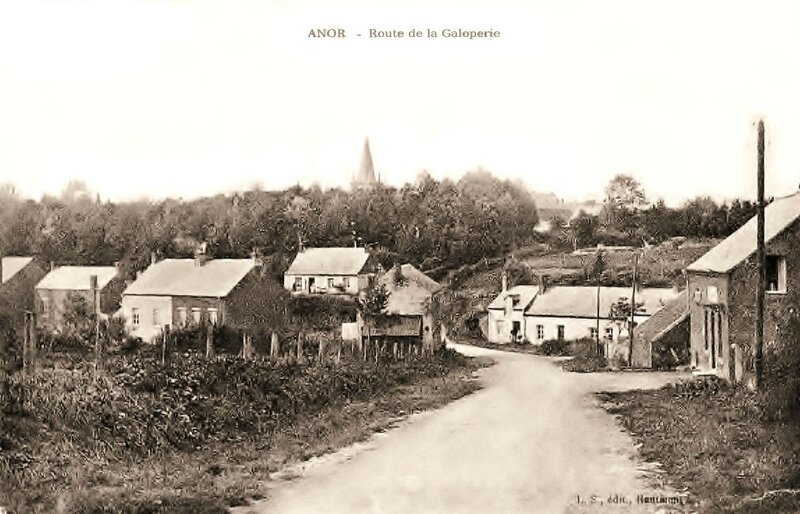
pixel 274 347
pixel 26 343
pixel 299 346
pixel 209 341
pixel 165 344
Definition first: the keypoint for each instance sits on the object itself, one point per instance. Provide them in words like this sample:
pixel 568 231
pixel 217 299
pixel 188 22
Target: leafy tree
pixel 374 301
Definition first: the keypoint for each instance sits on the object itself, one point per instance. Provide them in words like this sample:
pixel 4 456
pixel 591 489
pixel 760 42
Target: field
pixel 711 440
pixel 198 435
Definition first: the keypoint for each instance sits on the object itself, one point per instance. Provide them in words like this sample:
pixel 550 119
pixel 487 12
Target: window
pixel 298 283
pixel 330 283
pixel 592 332
pixel 712 294
pixel 213 316
pixel 156 318
pixel 346 282
pixel 45 307
pixel 196 315
pixel 560 332
pixel 609 333
pixel 539 331
pixel 498 326
pixel 135 316
pixel 776 274
pixel 182 317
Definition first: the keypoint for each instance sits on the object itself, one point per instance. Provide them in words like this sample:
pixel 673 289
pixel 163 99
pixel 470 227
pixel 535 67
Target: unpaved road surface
pixel 533 440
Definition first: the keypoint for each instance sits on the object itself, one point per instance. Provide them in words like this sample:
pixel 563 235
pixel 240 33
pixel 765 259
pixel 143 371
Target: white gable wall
pixel 146 307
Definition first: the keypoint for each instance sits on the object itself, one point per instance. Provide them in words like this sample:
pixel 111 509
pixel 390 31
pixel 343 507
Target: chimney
pixel 52 265
pixel 201 255
pixel 1 270
pixel 504 281
pixel 153 258
pixel 542 284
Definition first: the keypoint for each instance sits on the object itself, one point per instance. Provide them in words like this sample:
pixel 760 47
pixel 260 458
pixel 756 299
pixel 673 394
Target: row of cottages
pixel 330 271
pixel 538 313
pixel 182 292
pixel 723 284
pixel 99 286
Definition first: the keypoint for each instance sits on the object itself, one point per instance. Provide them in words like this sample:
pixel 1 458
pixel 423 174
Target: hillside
pixel 476 285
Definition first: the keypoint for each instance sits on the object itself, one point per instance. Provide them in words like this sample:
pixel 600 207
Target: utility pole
pixel 633 310
pixel 96 313
pixel 761 256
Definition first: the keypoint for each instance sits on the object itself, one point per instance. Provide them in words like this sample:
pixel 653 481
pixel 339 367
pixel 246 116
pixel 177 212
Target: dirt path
pixel 533 440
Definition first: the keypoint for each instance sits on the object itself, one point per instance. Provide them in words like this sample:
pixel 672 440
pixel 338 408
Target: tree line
pixel 430 223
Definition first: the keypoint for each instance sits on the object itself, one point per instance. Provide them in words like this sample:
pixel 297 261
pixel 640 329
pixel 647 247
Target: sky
pixel 187 98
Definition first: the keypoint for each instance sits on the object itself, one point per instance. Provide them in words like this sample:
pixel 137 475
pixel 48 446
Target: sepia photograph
pixel 423 257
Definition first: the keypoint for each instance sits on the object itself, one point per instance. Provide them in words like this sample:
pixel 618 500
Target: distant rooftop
pixel 76 278
pixel 329 261
pixel 216 278
pixel 13 265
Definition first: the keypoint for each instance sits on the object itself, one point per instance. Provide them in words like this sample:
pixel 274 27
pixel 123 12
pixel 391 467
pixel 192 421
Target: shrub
pixel 554 347
pixel 586 364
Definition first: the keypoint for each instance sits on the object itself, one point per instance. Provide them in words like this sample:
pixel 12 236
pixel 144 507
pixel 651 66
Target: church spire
pixel 366 173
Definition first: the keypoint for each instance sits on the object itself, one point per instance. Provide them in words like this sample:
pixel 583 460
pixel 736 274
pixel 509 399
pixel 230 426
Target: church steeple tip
pixel 366 172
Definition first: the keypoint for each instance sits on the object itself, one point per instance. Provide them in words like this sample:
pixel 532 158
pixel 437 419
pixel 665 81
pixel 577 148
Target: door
pixel 712 332
pixel 311 284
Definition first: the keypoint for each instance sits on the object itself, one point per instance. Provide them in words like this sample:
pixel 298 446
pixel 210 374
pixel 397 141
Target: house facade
pixel 410 292
pixel 100 286
pixel 330 271
pixel 178 293
pixel 722 288
pixel 536 314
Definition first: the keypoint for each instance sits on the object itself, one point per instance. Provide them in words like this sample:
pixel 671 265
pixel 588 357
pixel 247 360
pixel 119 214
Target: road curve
pixel 532 440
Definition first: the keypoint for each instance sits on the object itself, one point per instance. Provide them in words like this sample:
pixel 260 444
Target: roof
pixel 183 277
pixel 525 295
pixel 664 319
pixel 13 265
pixel 409 297
pixel 76 278
pixel 740 245
pixel 329 261
pixel 581 301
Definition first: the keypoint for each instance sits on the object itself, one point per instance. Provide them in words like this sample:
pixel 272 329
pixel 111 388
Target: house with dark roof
pixel 18 277
pixel 99 286
pixel 539 313
pixel 722 287
pixel 330 271
pixel 662 340
pixel 183 292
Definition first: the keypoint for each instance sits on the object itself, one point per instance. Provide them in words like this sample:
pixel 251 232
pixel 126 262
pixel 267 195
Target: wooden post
pixel 26 344
pixel 761 258
pixel 339 352
pixel 96 313
pixel 299 346
pixel 164 344
pixel 633 310
pixel 209 341
pixel 274 346
pixel 244 345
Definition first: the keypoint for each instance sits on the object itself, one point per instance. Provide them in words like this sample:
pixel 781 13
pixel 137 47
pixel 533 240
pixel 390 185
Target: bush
pixel 586 364
pixel 562 347
pixel 554 347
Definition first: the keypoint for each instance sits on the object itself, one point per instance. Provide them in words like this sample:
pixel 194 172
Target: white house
pixel 536 314
pixel 330 271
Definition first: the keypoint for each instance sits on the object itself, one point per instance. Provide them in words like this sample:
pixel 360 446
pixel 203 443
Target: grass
pixel 211 478
pixel 710 439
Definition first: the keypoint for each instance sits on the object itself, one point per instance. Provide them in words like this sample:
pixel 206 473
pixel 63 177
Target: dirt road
pixel 533 440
